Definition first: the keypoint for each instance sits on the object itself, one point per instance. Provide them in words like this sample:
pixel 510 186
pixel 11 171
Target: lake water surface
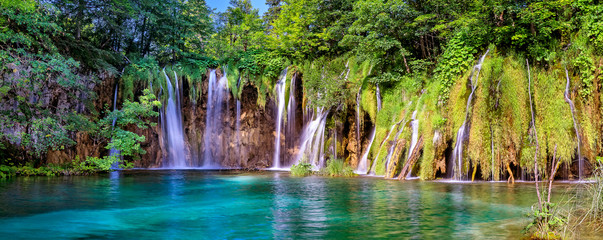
pixel 191 204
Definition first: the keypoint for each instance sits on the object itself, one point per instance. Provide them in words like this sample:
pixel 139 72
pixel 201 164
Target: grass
pixel 301 169
pixel 337 168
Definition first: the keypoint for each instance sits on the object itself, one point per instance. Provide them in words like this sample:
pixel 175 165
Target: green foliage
pixel 77 167
pixel 455 60
pixel 131 113
pixel 546 222
pixel 337 168
pixel 325 83
pixel 553 118
pixel 591 16
pixel 582 59
pixel 372 36
pixel 301 169
pixel 93 164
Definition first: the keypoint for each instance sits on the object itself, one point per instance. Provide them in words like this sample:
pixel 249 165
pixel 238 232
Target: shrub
pixel 301 169
pixel 337 168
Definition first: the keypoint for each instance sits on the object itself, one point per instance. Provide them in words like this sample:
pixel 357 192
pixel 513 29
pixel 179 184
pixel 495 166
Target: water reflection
pixel 227 205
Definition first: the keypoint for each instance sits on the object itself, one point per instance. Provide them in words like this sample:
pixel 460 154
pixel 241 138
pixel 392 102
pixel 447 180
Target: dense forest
pixel 534 97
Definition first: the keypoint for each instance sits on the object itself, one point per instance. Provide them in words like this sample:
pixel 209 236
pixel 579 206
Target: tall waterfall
pixel 213 136
pixel 576 128
pixel 173 126
pixel 281 87
pixel 290 130
pixel 457 154
pixel 378 93
pixel 414 138
pixel 358 145
pixel 238 124
pixel 312 140
pixel 113 151
pixel 363 164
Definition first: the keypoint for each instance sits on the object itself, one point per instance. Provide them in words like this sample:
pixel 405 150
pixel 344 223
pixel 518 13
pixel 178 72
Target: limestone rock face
pixel 254 145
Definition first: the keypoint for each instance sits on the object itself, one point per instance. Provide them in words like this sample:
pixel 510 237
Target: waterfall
pixel 457 154
pixel 213 137
pixel 291 109
pixel 280 102
pixel 378 93
pixel 238 125
pixel 358 146
pixel 335 142
pixel 576 128
pixel 173 126
pixel 391 129
pixel 312 140
pixel 363 164
pixel 113 151
pixel 391 149
pixel 414 124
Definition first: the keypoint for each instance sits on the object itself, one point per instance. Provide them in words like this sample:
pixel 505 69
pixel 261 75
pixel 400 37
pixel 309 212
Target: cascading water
pixel 414 138
pixel 114 152
pixel 312 140
pixel 238 125
pixel 173 127
pixel 291 109
pixel 378 93
pixel 457 154
pixel 334 146
pixel 363 164
pixel 576 128
pixel 390 151
pixel 372 170
pixel 280 103
pixel 358 148
pixel 213 120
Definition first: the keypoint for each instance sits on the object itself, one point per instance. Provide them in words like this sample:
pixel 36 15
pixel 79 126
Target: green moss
pixel 431 120
pixel 553 118
pixel 512 119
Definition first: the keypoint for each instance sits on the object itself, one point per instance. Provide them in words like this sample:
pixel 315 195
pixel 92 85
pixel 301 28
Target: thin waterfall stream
pixel 576 128
pixel 238 124
pixel 281 87
pixel 457 155
pixel 114 152
pixel 414 124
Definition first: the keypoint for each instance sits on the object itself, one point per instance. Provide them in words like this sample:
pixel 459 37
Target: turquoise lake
pixel 190 204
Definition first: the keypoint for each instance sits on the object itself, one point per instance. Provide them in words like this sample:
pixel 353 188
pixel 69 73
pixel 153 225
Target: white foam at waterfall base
pixel 312 140
pixel 173 127
pixel 363 164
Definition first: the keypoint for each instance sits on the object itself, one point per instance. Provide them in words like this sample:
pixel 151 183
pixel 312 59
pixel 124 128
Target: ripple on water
pixel 192 204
